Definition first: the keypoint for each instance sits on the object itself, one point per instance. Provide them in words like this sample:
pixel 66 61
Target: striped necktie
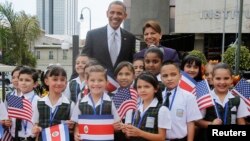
pixel 113 50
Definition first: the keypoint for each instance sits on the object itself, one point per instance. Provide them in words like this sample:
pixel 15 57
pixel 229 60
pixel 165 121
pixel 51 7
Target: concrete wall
pixel 206 16
pixel 143 10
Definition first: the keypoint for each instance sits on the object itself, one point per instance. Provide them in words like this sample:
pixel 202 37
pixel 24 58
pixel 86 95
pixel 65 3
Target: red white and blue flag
pixel 243 90
pixel 19 107
pixel 96 127
pixel 58 132
pixel 203 95
pixel 112 84
pixel 124 100
pixel 187 83
pixel 6 135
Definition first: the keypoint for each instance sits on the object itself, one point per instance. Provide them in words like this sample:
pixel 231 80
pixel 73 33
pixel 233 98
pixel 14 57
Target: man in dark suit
pixel 98 41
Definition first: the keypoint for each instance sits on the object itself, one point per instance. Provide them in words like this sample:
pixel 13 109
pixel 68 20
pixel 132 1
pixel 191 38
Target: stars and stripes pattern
pixel 187 83
pixel 19 108
pixel 243 90
pixel 203 96
pixel 7 135
pixel 124 100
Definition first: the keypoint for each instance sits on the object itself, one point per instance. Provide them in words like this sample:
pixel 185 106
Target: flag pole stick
pixel 215 107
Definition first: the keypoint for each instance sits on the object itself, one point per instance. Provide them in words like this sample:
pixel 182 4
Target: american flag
pixel 7 135
pixel 243 90
pixel 187 83
pixel 19 108
pixel 124 100
pixel 203 96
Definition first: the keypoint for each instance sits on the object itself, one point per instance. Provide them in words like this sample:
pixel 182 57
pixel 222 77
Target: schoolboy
pixel 182 104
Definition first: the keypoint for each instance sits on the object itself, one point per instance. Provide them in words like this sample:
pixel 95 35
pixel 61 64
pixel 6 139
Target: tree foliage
pixel 229 57
pixel 19 29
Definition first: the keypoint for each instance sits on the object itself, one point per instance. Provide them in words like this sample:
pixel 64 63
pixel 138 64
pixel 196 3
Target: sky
pixel 98 11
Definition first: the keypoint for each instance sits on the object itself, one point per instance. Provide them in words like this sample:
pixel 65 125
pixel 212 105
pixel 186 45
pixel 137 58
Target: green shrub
pixel 229 57
pixel 200 55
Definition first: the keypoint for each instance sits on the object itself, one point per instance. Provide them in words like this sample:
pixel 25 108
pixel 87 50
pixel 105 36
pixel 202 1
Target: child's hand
pixel 8 122
pixel 117 125
pixel 132 131
pixel 70 124
pixel 217 121
pixel 124 128
pixel 77 137
pixel 36 130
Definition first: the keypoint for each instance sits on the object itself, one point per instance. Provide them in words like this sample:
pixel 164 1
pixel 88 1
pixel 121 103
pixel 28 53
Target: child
pixel 97 98
pixel 153 59
pixel 182 104
pixel 14 81
pixel 192 66
pixel 138 65
pixel 54 103
pixel 27 81
pixel 225 102
pixel 76 85
pixel 124 74
pixel 44 77
pixel 208 73
pixel 151 119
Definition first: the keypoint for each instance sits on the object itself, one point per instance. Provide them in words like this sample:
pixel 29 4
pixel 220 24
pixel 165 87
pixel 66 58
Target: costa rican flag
pixel 96 127
pixel 187 83
pixel 58 132
pixel 112 84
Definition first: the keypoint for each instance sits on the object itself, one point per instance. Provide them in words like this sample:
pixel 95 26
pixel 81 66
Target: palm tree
pixel 21 30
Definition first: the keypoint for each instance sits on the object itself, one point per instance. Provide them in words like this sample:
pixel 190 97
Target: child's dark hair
pixel 222 66
pixel 30 71
pixel 44 75
pixel 18 68
pixel 152 79
pixel 57 71
pixel 139 59
pixel 170 62
pixel 122 65
pixel 97 68
pixel 155 50
pixel 190 59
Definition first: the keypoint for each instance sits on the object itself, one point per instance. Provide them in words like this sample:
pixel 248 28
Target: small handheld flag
pixel 243 90
pixel 96 127
pixel 203 96
pixel 187 83
pixel 19 107
pixel 58 132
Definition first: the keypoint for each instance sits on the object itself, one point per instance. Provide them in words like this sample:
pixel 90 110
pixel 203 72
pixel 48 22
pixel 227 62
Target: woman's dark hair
pixel 122 65
pixel 155 50
pixel 152 24
pixel 222 66
pixel 152 79
pixel 190 59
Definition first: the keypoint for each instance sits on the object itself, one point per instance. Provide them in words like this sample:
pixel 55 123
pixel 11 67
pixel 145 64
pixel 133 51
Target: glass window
pixel 51 56
pixel 65 54
pixel 38 55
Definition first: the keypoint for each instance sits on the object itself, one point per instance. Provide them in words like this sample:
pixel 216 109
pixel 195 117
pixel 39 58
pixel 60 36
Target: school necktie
pixel 167 99
pixel 113 50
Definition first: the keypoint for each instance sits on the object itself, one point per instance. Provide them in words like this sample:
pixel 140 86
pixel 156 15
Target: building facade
pixel 191 24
